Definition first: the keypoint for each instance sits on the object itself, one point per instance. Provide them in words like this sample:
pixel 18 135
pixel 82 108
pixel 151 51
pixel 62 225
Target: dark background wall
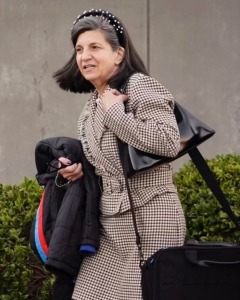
pixel 190 46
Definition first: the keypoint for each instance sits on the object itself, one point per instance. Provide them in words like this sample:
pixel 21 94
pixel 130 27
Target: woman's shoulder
pixel 137 77
pixel 136 80
pixel 140 82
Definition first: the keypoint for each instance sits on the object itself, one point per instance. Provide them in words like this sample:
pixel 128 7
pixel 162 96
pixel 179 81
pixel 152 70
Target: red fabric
pixel 40 226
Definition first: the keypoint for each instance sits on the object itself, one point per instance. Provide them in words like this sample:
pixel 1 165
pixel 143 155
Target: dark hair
pixel 70 78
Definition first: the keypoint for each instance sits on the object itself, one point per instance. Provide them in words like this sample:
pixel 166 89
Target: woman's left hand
pixel 111 97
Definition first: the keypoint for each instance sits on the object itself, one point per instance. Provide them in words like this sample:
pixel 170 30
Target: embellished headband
pixel 112 20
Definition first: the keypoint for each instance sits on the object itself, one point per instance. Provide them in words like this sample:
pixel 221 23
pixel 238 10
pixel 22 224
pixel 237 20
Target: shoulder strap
pixel 212 183
pixel 123 158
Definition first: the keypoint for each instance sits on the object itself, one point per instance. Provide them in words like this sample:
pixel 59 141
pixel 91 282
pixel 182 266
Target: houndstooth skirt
pixel 113 273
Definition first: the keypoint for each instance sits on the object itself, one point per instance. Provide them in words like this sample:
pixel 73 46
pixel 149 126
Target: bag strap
pixel 212 183
pixel 203 169
pixel 123 158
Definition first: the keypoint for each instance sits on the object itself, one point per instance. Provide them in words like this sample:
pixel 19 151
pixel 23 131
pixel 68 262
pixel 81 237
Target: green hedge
pixel 22 275
pixel 204 216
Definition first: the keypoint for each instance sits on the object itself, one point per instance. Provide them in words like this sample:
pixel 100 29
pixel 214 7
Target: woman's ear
pixel 120 56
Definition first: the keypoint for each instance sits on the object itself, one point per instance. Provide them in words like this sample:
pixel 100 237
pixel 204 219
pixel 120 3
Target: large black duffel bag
pixel 201 271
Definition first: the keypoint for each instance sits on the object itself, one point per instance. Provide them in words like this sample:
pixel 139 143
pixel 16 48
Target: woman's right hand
pixel 72 172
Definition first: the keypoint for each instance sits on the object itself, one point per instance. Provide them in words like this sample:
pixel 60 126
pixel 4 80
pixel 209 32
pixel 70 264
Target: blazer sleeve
pixel 151 126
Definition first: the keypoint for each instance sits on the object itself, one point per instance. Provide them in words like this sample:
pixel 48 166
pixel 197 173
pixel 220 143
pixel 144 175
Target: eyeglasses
pixel 55 165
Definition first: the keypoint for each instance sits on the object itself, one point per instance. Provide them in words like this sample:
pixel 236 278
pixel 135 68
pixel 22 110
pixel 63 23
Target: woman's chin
pixel 90 77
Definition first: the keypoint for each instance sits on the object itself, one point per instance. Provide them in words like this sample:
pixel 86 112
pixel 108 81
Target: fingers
pixel 111 97
pixel 77 176
pixel 115 92
pixel 72 172
pixel 123 97
pixel 65 161
pixel 78 173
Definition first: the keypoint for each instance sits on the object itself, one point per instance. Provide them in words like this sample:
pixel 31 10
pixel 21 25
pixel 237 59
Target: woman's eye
pixel 95 47
pixel 78 50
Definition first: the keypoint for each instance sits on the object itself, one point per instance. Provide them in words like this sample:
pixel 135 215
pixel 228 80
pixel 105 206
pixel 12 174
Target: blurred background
pixel 192 47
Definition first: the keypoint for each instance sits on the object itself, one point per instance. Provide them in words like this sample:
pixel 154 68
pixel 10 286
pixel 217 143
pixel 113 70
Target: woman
pixel 104 57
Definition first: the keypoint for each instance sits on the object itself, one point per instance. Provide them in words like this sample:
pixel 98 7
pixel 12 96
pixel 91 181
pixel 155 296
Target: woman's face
pixel 96 59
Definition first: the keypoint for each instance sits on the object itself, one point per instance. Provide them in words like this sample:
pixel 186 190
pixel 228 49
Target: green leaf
pixel 223 215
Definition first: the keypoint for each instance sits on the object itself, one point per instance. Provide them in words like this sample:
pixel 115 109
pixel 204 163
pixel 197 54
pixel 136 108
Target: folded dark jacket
pixel 66 220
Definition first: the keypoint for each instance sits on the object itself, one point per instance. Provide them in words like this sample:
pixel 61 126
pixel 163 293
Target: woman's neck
pixel 101 89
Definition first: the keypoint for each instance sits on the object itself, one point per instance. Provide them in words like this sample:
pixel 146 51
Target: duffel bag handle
pixel 210 244
pixel 191 256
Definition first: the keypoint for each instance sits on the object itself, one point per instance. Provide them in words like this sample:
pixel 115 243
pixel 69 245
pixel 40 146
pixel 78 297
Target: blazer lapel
pixel 95 130
pixel 99 127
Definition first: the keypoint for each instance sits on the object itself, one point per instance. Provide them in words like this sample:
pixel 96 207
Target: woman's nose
pixel 86 55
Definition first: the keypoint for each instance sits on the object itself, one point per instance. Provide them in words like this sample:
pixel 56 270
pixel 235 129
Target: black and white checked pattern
pixel 148 124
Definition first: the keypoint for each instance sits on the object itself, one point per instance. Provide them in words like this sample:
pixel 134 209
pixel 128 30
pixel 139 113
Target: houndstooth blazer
pixel 147 124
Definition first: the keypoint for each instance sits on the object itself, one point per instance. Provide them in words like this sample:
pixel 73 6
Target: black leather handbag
pixel 193 132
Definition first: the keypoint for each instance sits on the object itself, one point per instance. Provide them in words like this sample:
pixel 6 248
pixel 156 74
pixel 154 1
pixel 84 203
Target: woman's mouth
pixel 88 67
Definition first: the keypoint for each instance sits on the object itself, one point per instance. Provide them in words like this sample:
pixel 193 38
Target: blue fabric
pixel 37 241
pixel 87 250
